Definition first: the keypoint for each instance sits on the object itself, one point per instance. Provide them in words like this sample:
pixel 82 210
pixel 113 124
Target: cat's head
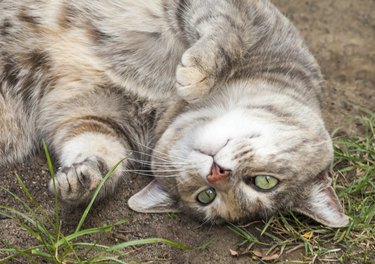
pixel 235 159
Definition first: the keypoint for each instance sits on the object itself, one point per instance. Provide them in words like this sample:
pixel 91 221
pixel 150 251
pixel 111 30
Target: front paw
pixel 76 184
pixel 194 80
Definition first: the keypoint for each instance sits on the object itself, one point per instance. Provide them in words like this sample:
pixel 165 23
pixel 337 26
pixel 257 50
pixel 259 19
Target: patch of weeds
pixel 51 245
pixel 354 181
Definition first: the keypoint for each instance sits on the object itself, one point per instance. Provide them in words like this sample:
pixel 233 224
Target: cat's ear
pixel 153 199
pixel 320 202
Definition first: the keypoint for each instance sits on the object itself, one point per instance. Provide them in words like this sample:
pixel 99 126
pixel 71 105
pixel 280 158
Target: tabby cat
pixel 219 98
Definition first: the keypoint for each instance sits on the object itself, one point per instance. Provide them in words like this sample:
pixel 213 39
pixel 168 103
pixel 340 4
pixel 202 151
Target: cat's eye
pixel 265 182
pixel 207 196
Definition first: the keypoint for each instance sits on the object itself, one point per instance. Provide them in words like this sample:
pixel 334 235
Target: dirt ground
pixel 341 34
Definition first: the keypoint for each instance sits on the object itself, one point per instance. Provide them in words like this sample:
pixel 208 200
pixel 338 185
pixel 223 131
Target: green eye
pixel 207 196
pixel 265 182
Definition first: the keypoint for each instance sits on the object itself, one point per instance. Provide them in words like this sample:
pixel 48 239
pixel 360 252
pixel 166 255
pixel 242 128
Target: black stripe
pixel 246 154
pixel 226 64
pixel 271 109
pixel 213 18
pixel 27 92
pixel 4 28
pixel 292 72
pixel 67 16
pixel 29 19
pixel 10 73
pixel 122 131
pixel 147 34
pixel 284 116
pixel 38 60
pixel 296 147
pixel 259 21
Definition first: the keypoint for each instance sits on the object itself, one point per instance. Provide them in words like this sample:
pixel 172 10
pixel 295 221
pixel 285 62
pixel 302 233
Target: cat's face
pixel 231 162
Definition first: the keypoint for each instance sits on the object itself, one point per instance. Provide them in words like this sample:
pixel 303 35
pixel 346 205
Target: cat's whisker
pixel 265 213
pixel 208 219
pixel 168 159
pixel 152 149
pixel 156 164
pixel 179 170
pixel 175 159
pixel 150 174
pixel 150 155
pixel 157 171
pixel 204 223
pixel 143 174
pixel 163 161
pixel 157 153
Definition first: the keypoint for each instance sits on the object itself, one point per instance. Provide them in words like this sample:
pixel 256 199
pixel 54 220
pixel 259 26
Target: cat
pixel 218 98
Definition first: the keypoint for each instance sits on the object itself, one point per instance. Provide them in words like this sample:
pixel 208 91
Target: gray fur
pixel 92 79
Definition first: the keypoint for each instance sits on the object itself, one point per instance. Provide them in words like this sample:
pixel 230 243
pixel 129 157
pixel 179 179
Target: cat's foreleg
pixel 85 159
pixel 85 135
pixel 216 34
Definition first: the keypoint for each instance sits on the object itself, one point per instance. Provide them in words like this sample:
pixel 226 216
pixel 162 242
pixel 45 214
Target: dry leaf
pixel 233 253
pixel 257 252
pixel 272 257
pixel 308 235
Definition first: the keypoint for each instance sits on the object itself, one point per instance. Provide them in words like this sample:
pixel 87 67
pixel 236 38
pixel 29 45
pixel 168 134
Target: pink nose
pixel 218 174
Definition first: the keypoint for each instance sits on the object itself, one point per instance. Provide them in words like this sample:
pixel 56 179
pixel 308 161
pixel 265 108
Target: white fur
pixel 320 205
pixel 79 160
pixel 52 12
pixel 219 137
pixel 92 144
pixel 152 199
pixel 202 162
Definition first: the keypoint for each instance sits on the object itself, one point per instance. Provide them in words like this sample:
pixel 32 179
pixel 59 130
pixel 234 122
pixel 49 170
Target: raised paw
pixel 76 184
pixel 193 79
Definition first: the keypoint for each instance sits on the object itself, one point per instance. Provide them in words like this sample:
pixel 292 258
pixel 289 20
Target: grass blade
pixel 246 234
pixel 88 208
pixel 77 234
pixel 21 252
pixel 56 200
pixel 37 222
pixel 148 241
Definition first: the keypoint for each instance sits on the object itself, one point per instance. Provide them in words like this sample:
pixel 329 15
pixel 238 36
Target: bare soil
pixel 341 34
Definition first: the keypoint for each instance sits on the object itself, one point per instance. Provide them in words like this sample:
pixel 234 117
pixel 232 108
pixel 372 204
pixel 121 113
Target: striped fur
pixel 242 89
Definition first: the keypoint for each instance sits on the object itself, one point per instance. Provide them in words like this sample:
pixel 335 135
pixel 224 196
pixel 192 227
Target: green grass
pixel 283 237
pixel 51 245
pixel 354 181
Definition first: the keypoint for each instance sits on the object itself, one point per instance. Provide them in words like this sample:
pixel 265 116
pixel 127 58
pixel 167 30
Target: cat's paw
pixel 193 80
pixel 76 184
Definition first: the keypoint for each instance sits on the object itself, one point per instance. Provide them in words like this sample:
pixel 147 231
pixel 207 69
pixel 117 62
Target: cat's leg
pixel 85 159
pixel 84 131
pixel 217 43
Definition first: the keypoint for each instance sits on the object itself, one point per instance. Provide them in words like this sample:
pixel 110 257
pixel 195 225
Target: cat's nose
pixel 218 174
